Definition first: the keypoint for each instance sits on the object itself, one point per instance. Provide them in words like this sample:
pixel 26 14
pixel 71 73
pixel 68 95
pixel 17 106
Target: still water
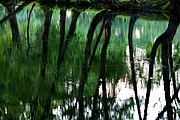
pixel 85 65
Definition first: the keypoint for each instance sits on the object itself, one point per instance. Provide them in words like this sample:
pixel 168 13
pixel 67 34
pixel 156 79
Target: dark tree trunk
pixel 93 117
pixel 160 114
pixel 166 45
pixel 65 41
pixel 97 18
pixel 34 105
pixel 90 34
pixel 171 63
pixel 62 36
pixel 97 42
pixel 92 57
pixel 13 13
pixel 150 77
pixel 174 6
pixel 107 32
pixel 29 18
pixel 133 74
pixel 167 36
pixel 47 23
pixel 166 78
pixel 72 27
pixel 95 100
pixel 14 24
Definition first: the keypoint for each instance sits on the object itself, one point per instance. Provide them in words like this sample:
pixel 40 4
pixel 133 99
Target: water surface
pixel 82 65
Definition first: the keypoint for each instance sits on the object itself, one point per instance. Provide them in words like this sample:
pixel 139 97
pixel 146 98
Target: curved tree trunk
pixel 29 18
pixel 97 18
pixel 163 39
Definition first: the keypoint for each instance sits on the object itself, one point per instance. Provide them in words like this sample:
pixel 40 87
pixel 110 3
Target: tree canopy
pixel 140 5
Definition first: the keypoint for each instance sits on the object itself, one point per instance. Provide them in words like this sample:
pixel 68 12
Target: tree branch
pixel 14 13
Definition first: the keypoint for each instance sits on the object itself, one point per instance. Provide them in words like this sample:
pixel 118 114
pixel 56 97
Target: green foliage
pixel 166 6
pixel 148 49
pixel 159 4
pixel 176 55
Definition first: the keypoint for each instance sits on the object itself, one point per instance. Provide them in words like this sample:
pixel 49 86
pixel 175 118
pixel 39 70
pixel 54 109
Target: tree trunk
pixel 133 74
pixel 166 78
pixel 174 5
pixel 167 36
pixel 29 18
pixel 97 18
pixel 47 23
pixel 62 35
pixel 14 24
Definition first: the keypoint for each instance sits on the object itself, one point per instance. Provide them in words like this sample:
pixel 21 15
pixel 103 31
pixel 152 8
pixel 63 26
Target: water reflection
pixel 88 65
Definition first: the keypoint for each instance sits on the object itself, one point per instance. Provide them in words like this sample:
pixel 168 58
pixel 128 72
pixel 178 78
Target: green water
pixel 34 85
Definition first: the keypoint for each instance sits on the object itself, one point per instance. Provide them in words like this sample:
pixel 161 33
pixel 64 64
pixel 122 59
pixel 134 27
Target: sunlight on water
pixel 137 33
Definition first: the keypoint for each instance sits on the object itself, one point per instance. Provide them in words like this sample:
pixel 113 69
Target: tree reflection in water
pixel 77 79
